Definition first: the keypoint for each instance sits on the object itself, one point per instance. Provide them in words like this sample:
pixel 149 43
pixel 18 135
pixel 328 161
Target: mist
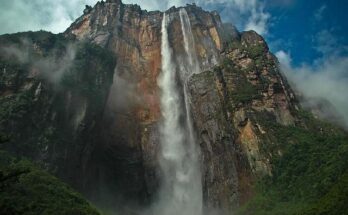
pixel 51 67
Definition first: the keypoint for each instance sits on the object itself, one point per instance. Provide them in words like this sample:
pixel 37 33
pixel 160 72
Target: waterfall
pixel 187 69
pixel 189 45
pixel 181 188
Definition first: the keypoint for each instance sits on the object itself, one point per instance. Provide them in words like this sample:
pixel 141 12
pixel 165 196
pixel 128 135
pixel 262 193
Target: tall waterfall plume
pixel 192 66
pixel 181 188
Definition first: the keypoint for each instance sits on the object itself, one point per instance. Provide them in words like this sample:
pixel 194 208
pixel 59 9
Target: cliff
pixel 225 99
pixel 94 117
pixel 134 116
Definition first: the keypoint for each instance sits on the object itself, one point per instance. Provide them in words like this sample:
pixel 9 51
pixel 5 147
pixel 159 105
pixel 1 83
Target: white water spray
pixel 192 66
pixel 181 191
pixel 187 69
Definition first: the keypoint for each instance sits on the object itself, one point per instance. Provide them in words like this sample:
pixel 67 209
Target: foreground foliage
pixel 25 189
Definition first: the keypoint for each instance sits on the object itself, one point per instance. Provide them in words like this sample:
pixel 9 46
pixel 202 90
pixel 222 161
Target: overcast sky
pixel 309 37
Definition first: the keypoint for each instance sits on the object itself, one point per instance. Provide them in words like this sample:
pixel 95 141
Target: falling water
pixel 181 191
pixel 192 66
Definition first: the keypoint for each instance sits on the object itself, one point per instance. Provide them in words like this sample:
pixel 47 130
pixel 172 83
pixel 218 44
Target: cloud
pixel 323 83
pixel 21 54
pixel 246 15
pixel 318 15
pixel 54 67
pixel 284 58
pixel 330 44
pixel 258 22
pixel 51 67
pixel 57 15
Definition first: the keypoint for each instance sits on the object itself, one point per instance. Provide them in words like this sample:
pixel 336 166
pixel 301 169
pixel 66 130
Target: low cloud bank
pixel 323 85
pixel 51 67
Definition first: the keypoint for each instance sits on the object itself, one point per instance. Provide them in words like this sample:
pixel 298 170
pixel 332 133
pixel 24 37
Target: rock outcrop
pixel 111 139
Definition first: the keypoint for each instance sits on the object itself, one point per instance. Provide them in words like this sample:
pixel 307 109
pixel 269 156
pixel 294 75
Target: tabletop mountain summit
pixel 159 113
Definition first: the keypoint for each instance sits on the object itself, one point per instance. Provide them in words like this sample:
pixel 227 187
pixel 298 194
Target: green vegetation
pixel 310 177
pixel 3 138
pixel 255 51
pixel 245 92
pixel 235 44
pixel 228 64
pixel 333 202
pixel 25 189
pixel 15 107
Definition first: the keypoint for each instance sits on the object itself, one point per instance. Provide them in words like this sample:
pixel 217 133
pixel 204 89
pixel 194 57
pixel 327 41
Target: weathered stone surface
pixel 111 151
pixel 228 130
pixel 134 36
pixel 216 141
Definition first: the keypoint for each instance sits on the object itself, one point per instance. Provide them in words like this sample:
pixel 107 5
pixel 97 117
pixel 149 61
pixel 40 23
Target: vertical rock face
pixel 231 102
pixel 133 112
pixel 111 136
pixel 238 80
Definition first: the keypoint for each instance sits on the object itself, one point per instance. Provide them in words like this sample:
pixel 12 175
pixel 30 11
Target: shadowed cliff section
pixel 52 95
